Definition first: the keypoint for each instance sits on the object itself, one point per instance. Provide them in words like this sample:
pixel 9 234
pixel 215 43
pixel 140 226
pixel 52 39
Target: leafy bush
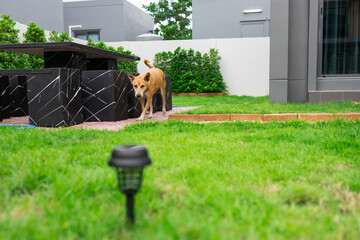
pixel 192 72
pixel 8 34
pixel 34 34
pixel 125 66
pixel 63 37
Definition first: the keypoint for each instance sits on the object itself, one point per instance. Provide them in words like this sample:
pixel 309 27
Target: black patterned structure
pixel 5 96
pixel 54 93
pixel 65 60
pixel 168 95
pixel 101 64
pixel 54 98
pixel 134 106
pixel 18 96
pixel 104 95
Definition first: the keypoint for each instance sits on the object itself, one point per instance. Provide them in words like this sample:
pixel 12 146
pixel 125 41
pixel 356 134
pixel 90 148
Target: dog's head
pixel 140 84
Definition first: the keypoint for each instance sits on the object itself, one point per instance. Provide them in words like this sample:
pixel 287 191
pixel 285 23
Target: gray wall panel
pixel 225 19
pixel 278 91
pixel 47 14
pixel 117 20
pixel 297 91
pixel 279 30
pixel 136 22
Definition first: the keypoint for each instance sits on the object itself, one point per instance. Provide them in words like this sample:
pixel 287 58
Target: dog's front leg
pixel 151 110
pixel 148 102
pixel 142 102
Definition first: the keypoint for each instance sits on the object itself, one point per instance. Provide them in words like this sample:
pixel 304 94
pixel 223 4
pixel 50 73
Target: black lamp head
pixel 129 162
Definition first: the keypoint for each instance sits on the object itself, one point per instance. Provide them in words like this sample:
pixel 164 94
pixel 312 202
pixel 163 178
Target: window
pixel 341 37
pixel 94 36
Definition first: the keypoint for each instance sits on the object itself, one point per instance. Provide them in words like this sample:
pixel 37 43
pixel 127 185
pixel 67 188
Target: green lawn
pixel 234 104
pixel 243 180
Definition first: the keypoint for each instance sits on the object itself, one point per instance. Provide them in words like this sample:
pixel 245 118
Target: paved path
pixel 113 126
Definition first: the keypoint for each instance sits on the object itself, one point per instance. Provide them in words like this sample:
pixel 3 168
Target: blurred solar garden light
pixel 129 162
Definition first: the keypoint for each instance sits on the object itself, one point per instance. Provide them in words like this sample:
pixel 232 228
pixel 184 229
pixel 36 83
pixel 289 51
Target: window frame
pixel 87 32
pixel 320 74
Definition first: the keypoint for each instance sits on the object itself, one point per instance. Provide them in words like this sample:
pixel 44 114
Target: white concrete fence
pixel 244 61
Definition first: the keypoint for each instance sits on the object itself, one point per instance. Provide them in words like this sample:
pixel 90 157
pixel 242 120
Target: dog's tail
pixel 148 64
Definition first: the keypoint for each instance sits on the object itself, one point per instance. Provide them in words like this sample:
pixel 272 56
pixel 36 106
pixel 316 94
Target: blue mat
pixel 18 126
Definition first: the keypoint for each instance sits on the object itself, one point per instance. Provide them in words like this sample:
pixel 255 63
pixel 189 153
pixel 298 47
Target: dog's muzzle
pixel 138 95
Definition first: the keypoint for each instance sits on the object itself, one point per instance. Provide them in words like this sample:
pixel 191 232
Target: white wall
pixel 244 61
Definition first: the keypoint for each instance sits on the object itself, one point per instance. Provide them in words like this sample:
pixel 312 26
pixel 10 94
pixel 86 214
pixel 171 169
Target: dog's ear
pixel 147 77
pixel 131 77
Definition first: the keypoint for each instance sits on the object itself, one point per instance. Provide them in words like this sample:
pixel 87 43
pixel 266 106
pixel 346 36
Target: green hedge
pixel 192 72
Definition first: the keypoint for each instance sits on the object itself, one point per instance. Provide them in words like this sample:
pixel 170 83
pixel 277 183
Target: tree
pixel 173 18
pixel 8 34
pixel 55 37
pixel 34 34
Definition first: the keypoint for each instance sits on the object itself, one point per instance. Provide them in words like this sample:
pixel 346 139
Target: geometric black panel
pixel 104 95
pixel 5 96
pixel 101 64
pixel 168 95
pixel 18 96
pixel 134 106
pixel 54 99
pixel 65 60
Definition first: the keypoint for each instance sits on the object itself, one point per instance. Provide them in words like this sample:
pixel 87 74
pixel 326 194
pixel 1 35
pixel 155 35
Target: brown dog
pixel 146 85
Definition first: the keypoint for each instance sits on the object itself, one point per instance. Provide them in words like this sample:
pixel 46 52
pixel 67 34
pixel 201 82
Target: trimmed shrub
pixel 192 72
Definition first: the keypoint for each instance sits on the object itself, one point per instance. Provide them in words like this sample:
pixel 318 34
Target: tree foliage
pixel 63 37
pixel 8 34
pixel 173 18
pixel 34 34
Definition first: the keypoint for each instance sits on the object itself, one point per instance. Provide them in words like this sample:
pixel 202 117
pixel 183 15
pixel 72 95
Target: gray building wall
pixel 226 19
pixel 47 14
pixel 295 76
pixel 289 51
pixel 117 20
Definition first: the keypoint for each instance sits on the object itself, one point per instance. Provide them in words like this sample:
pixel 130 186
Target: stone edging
pixel 311 117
